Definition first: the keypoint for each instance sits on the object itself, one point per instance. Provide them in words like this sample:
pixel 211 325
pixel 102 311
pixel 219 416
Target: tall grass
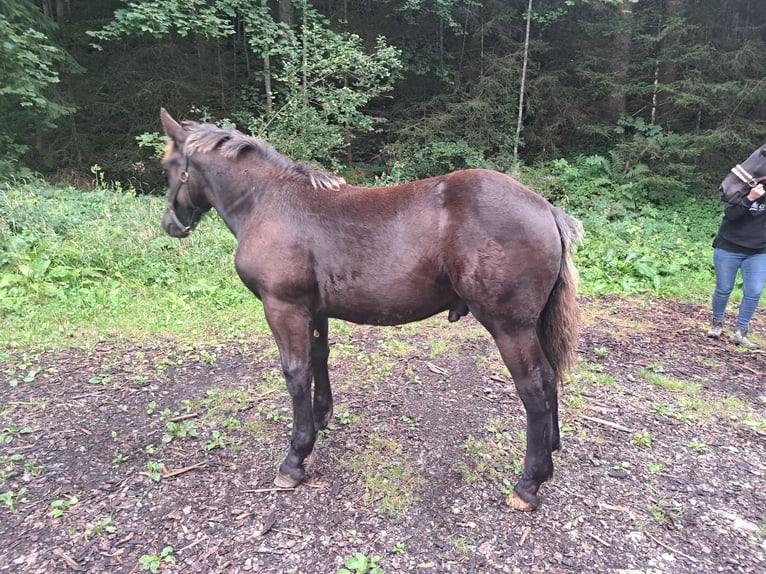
pixel 77 267
pixel 89 265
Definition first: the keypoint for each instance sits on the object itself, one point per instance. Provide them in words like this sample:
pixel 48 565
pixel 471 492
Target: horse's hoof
pixel 517 503
pixel 324 422
pixel 327 418
pixel 286 481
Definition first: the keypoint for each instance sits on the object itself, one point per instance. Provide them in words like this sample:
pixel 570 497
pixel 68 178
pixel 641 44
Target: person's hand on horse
pixel 756 193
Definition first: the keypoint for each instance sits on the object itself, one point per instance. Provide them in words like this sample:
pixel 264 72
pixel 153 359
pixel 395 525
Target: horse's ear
pixel 172 128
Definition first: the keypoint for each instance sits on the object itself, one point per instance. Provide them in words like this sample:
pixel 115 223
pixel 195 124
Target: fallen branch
pixel 436 369
pixel 264 395
pixel 527 530
pixel 191 545
pixel 666 547
pixel 171 473
pixel 674 334
pixel 85 396
pixel 484 397
pixel 606 506
pixel 288 531
pixel 267 490
pixel 183 417
pixel 599 540
pixel 606 423
pixel 746 368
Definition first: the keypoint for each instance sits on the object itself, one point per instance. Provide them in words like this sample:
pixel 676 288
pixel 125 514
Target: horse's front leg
pixel 290 327
pixel 320 351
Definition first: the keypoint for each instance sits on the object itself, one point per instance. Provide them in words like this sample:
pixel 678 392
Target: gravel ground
pixel 135 456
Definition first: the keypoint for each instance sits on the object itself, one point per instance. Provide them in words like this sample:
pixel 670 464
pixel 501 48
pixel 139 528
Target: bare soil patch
pixel 110 455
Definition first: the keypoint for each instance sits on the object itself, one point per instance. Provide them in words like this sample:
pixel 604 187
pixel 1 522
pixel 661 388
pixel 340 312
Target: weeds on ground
pixel 361 564
pixel 89 263
pixel 153 562
pixel 386 475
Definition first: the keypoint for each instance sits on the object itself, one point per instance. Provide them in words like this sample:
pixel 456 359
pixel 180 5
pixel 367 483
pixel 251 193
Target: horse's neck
pixel 235 200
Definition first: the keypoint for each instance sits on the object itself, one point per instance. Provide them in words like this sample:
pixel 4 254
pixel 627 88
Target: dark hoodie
pixel 743 229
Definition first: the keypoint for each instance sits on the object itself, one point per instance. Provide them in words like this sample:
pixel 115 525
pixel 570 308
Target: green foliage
pixel 325 83
pixel 161 17
pixel 429 160
pixel 154 562
pixel 153 141
pixel 89 262
pixel 682 85
pixel 11 498
pixel 59 507
pixel 320 79
pixel 634 244
pixel 29 67
pixel 361 564
pixel 96 259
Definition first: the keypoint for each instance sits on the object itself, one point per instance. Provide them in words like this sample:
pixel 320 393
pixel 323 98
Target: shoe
pixel 740 338
pixel 716 328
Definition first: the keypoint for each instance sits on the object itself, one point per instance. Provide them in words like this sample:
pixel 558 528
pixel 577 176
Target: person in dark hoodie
pixel 740 245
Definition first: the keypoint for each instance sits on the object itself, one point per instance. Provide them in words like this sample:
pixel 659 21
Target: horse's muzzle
pixel 173 226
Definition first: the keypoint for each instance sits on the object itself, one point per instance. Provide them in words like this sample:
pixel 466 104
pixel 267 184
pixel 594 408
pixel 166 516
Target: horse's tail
pixel 558 325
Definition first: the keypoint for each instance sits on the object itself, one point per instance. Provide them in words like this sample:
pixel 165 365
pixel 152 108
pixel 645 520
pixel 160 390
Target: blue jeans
pixel 753 269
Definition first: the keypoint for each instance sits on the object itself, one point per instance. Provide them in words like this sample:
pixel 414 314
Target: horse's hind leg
pixel 533 377
pixel 320 351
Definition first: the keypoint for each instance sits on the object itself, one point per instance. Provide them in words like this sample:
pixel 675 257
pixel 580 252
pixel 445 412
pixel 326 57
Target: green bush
pixel 91 264
pixel 431 159
pixel 70 257
pixel 634 242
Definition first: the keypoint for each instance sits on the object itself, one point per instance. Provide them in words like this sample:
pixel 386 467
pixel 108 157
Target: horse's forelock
pixel 169 147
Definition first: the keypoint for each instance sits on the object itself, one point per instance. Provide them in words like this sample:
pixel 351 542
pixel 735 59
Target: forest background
pixel 625 113
pixel 669 93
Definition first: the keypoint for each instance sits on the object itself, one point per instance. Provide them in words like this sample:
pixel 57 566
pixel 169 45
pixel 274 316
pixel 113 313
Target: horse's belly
pixel 369 307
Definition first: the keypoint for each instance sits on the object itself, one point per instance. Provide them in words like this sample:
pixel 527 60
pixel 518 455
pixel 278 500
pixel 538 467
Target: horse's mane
pixel 232 144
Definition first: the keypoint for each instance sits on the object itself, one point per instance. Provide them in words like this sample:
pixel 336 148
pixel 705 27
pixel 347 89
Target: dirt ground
pixel 134 457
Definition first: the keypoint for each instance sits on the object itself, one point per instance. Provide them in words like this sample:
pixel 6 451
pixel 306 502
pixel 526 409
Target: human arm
pixel 735 211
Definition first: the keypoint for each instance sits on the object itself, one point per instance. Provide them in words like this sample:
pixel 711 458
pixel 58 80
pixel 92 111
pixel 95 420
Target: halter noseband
pixel 183 180
pixel 743 175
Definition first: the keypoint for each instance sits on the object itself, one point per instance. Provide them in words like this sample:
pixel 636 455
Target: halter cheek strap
pixel 743 175
pixel 183 179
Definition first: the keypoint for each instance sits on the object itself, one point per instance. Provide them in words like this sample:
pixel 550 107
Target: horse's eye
pixel 763 151
pixel 164 173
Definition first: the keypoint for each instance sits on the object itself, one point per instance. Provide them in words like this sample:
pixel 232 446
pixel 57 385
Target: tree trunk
pixel 666 71
pixel 267 70
pixel 305 78
pixel 61 9
pixel 615 104
pixel 520 118
pixel 286 11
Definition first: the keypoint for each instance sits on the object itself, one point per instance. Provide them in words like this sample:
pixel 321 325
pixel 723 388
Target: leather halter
pixel 745 177
pixel 170 205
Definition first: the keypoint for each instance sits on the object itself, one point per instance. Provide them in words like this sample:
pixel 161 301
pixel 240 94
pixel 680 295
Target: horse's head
pixel 749 173
pixel 187 201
